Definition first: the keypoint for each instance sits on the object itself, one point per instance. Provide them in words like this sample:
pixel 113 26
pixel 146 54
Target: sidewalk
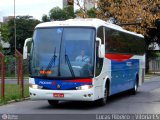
pixel 14 78
pixel 150 76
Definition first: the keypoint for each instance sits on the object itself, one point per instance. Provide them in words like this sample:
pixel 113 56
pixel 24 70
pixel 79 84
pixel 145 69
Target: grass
pixel 12 92
pixel 153 73
pixel 13 75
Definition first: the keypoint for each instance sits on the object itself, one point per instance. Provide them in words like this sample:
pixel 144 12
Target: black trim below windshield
pixel 60 78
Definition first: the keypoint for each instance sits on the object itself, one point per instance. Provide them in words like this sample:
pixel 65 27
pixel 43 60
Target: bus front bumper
pixel 70 95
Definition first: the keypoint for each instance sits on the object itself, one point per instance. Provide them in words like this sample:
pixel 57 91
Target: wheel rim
pixel 105 95
pixel 135 87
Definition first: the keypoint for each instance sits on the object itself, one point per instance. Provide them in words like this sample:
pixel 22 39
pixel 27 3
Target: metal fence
pixel 13 86
pixel 10 66
pixel 154 65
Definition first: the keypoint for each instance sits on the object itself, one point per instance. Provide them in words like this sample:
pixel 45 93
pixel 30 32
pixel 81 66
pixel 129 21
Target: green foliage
pixel 69 12
pixel 4 32
pixel 0 47
pixel 157 23
pixel 45 18
pixel 91 13
pixel 153 36
pixel 24 29
pixel 9 65
pixel 158 54
pixel 57 13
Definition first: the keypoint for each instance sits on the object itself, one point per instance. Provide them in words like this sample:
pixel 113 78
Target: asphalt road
pixel 146 101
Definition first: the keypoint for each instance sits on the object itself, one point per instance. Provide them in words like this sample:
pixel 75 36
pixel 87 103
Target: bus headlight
pixel 84 87
pixel 35 86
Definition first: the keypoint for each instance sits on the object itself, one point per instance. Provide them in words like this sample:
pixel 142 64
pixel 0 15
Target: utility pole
pixel 15 24
pixel 15 41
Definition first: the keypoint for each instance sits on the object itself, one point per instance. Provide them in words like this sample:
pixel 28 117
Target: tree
pixel 83 11
pixel 142 13
pixel 57 13
pixel 24 29
pixel 134 15
pixel 69 12
pixel 4 37
pixel 45 18
pixel 4 32
pixel 91 13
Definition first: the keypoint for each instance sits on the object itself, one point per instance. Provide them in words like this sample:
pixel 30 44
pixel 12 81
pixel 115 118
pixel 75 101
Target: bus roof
pixel 88 22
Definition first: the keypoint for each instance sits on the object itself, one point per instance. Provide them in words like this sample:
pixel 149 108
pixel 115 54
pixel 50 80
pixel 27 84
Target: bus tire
pixel 103 101
pixel 134 90
pixel 53 102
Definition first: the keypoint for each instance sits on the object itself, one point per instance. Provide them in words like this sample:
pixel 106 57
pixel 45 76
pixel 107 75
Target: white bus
pixel 83 60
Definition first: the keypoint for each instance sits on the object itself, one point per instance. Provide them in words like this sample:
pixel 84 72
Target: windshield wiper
pixel 69 64
pixel 52 61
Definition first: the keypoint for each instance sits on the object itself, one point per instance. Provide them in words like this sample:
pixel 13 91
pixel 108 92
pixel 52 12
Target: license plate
pixel 58 95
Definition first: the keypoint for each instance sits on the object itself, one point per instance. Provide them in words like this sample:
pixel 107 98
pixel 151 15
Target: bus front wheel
pixel 53 102
pixel 103 100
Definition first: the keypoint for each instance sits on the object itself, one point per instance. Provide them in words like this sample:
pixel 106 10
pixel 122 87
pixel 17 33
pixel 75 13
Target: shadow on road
pixel 83 105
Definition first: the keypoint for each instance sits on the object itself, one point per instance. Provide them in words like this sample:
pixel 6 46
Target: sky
pixel 35 8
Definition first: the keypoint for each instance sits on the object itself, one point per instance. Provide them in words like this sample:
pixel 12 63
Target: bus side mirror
pixel 25 48
pixel 101 48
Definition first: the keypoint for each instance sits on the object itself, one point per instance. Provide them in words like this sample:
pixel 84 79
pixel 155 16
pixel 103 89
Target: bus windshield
pixel 63 52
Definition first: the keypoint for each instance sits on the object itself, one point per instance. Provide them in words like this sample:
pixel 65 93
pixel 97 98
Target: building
pixel 5 45
pixel 85 4
pixel 67 2
pixel 7 18
pixel 70 2
pixel 89 3
pixel 64 3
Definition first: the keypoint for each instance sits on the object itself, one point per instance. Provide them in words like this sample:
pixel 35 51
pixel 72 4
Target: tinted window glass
pixel 63 52
pixel 120 42
pixel 100 34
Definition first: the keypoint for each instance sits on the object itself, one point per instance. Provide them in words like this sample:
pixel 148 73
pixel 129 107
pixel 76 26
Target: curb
pixel 14 101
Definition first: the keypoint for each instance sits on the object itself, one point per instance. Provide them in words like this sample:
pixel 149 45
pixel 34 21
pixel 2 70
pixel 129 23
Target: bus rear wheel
pixel 53 102
pixel 134 90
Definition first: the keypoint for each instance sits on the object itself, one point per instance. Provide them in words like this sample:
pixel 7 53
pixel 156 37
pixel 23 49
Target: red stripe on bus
pixel 87 80
pixel 118 57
